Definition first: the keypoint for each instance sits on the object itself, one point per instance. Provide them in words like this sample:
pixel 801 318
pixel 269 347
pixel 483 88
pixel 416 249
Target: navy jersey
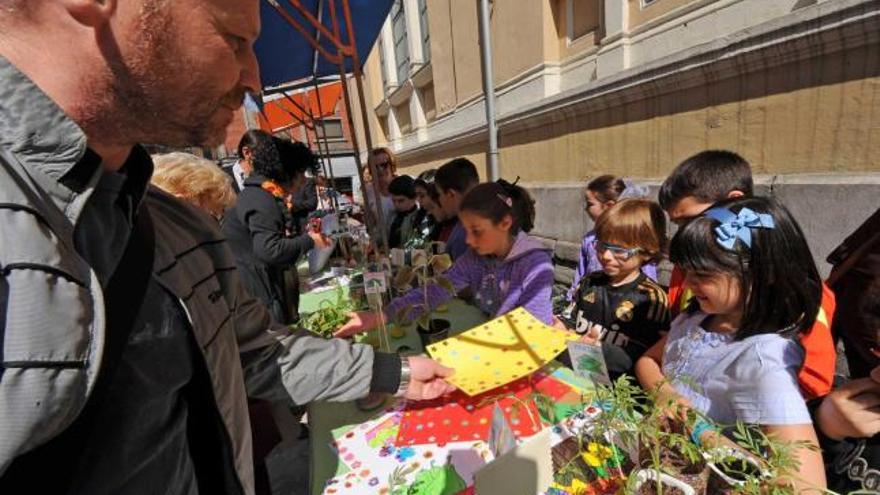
pixel 632 316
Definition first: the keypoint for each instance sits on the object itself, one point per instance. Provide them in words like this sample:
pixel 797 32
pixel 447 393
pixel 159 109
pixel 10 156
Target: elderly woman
pixel 195 180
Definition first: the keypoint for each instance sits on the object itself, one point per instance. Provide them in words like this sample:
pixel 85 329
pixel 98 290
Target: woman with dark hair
pixel 504 268
pixel 260 227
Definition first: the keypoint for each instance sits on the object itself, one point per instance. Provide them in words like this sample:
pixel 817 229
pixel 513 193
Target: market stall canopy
pixel 281 113
pixel 286 56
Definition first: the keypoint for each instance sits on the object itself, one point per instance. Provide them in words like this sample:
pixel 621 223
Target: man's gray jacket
pixel 53 332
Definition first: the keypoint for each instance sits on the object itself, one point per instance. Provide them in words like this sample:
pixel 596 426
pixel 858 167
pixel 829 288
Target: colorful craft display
pixel 500 351
pixel 436 448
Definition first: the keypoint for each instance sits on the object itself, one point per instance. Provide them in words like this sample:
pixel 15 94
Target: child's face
pixel 450 201
pixel 426 202
pixel 685 209
pixel 485 237
pixel 717 293
pixel 594 206
pixel 615 263
pixel 402 204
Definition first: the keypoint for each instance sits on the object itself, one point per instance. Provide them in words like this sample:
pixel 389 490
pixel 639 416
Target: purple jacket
pixel 589 263
pixel 524 278
pixel 456 245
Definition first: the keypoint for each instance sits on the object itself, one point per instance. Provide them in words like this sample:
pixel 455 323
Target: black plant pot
pixel 437 330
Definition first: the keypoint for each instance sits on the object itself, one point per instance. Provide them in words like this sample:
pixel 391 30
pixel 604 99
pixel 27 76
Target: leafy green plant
pixel 329 316
pixel 427 273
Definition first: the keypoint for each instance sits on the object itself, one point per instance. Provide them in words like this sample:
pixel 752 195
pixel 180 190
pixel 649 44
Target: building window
pixel 426 36
pixel 583 17
pixel 401 49
pixel 382 67
pixel 333 128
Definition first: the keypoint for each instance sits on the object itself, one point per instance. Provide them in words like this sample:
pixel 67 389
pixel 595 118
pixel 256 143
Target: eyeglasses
pixel 619 252
pixel 383 165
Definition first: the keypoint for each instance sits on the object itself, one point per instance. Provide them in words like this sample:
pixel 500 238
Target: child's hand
pixel 358 322
pixel 852 411
pixel 592 336
pixel 557 323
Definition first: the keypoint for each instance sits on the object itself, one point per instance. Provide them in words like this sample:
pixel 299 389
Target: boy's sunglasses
pixel 619 252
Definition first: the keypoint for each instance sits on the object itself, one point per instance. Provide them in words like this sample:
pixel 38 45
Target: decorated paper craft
pixel 589 362
pixel 500 351
pixel 458 417
pixel 373 464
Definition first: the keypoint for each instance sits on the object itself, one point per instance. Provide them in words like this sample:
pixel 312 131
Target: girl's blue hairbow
pixel 738 225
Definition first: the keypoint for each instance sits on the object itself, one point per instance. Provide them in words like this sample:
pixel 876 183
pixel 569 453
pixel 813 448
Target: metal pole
pixel 331 176
pixel 488 89
pixel 356 70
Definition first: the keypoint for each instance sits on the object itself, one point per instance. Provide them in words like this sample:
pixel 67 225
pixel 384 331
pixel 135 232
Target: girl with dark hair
pixel 503 267
pixel 734 354
pixel 260 227
pixel 602 193
pixel 432 216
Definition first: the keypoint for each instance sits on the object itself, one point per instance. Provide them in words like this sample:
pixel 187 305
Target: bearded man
pixel 128 345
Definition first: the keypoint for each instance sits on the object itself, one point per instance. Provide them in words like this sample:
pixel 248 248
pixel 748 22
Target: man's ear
pixel 92 13
pixel 736 193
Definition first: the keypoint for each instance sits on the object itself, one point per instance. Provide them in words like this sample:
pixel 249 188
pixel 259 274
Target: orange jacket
pixel 817 373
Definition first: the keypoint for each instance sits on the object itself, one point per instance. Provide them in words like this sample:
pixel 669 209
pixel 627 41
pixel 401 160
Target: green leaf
pixel 404 277
pixel 425 321
pixel 446 285
pixel 441 262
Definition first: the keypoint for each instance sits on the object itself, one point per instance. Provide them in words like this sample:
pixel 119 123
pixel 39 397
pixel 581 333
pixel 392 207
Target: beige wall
pixel 790 119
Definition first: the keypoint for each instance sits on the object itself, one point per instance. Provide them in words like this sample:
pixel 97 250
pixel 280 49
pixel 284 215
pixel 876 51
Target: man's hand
pixel 852 411
pixel 358 322
pixel 427 379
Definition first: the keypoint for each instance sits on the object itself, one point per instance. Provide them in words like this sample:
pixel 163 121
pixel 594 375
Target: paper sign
pixel 501 438
pixel 374 283
pixel 589 362
pixel 398 257
pixel 500 351
pixel 419 258
pixel 528 468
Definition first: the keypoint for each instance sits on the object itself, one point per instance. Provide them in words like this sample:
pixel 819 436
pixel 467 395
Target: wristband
pixel 405 377
pixel 700 426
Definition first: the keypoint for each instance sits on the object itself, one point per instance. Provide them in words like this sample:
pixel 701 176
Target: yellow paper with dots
pixel 500 351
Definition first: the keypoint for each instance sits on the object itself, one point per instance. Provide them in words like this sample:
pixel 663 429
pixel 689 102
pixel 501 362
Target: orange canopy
pixel 281 114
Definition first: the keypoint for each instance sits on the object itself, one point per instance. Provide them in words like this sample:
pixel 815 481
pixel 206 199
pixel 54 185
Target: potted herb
pixel 329 316
pixel 426 273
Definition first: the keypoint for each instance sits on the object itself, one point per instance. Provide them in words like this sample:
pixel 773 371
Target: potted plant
pixel 426 273
pixel 329 316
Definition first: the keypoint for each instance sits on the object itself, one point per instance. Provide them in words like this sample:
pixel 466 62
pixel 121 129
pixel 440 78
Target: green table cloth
pixel 327 416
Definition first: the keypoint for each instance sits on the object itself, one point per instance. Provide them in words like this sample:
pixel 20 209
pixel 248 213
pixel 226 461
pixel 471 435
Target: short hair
pixel 780 284
pixel 296 157
pixel 280 159
pixel 196 180
pixel 403 185
pixel 606 187
pixel 634 223
pixel 457 175
pixel 709 176
pixel 496 200
pixel 249 139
